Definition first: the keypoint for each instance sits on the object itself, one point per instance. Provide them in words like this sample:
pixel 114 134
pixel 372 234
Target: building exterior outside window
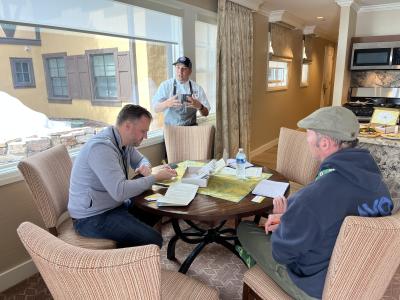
pixel 104 76
pixel 82 73
pixel 58 76
pixel 22 72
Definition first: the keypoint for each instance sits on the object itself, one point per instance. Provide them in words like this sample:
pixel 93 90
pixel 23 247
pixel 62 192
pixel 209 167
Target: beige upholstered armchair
pixel 188 142
pixel 72 272
pixel 365 258
pixel 294 159
pixel 47 175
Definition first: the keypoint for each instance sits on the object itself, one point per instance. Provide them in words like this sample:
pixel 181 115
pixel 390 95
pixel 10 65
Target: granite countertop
pixel 380 141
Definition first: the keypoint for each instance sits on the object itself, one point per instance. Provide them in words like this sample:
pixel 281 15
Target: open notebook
pixel 178 194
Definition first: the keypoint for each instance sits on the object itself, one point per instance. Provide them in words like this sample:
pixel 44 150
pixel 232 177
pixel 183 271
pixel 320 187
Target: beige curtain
pixel 308 43
pixel 281 41
pixel 234 78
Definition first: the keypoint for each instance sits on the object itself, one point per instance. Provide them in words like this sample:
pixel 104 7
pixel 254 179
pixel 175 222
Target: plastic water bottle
pixel 241 164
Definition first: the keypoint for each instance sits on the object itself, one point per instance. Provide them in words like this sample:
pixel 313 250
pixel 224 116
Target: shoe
pixel 247 259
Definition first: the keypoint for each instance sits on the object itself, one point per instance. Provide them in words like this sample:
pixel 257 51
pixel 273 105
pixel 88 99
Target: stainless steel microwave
pixel 375 56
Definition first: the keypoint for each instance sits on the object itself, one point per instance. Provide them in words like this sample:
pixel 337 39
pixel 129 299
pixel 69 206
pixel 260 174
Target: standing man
pixel 100 191
pixel 305 226
pixel 180 98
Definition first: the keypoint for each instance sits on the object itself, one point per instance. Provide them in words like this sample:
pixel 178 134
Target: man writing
pixel 180 98
pixel 100 190
pixel 305 226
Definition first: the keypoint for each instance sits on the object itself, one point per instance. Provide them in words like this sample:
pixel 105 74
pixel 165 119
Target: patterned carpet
pixel 215 266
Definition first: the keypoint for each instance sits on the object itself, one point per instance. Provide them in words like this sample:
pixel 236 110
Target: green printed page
pixel 225 187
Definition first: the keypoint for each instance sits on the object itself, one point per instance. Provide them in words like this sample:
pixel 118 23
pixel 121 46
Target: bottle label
pixel 240 160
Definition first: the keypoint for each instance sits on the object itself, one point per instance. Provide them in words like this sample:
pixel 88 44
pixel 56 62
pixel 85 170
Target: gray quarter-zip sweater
pixel 98 182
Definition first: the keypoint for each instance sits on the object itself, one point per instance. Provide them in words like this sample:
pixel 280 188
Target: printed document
pixel 269 188
pixel 178 194
pixel 250 172
pixel 232 163
pixel 253 172
pixel 212 167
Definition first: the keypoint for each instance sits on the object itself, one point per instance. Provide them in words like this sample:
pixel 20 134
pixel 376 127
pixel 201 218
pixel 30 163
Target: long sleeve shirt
pixel 98 179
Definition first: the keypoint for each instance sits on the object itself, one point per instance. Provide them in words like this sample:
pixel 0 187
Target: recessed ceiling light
pixel 321 18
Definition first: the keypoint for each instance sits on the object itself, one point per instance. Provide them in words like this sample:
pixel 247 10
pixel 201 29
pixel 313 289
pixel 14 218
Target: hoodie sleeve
pixel 137 159
pixel 296 234
pixel 104 162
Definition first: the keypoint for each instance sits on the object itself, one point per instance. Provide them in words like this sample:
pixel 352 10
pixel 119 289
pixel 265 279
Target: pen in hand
pixel 165 165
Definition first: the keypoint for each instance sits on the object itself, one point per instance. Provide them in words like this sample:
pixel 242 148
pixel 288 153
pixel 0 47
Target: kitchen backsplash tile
pixel 375 78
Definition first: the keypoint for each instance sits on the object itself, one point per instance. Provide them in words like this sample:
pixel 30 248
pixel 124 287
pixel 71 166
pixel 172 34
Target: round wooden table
pixel 210 211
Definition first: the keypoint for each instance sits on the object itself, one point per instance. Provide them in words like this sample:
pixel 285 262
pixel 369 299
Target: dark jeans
pixel 257 243
pixel 127 226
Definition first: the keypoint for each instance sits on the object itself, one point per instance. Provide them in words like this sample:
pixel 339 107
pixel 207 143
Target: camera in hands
pixel 184 97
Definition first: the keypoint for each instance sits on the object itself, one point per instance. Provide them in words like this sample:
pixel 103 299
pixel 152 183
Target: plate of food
pixel 369 132
pixel 391 136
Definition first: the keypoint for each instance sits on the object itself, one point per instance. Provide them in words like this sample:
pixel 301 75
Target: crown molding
pixel 309 29
pixel 264 11
pixel 254 5
pixel 286 17
pixel 380 7
pixel 344 3
pixel 349 3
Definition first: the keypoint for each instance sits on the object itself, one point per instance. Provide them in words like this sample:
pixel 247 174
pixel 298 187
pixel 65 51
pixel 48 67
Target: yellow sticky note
pixel 258 199
pixel 153 197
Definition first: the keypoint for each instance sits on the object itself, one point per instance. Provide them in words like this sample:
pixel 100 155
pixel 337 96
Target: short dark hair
pixel 341 144
pixel 132 112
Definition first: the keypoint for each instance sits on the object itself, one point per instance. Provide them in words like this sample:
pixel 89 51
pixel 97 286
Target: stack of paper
pixel 250 172
pixel 192 176
pixel 232 163
pixel 178 194
pixel 269 188
pixel 212 167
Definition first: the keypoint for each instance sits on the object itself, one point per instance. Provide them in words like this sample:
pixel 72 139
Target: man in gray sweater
pixel 100 191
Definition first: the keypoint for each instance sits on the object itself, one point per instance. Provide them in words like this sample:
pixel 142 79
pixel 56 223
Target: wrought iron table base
pixel 202 237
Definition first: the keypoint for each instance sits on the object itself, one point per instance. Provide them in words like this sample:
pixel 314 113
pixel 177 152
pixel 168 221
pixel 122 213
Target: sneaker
pixel 247 259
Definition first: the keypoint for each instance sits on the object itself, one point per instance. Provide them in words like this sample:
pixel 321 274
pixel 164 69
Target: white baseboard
pixel 17 274
pixel 263 148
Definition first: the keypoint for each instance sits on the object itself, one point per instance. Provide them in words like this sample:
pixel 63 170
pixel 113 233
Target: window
pixel 206 49
pixel 304 74
pixel 277 75
pixel 22 72
pixel 93 64
pixel 104 76
pixel 56 76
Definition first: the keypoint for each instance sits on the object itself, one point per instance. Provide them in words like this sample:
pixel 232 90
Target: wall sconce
pixel 304 55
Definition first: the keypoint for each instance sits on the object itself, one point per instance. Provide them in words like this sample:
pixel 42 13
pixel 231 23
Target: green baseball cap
pixel 336 121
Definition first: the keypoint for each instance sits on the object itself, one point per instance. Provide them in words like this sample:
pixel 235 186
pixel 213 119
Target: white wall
pixel 385 22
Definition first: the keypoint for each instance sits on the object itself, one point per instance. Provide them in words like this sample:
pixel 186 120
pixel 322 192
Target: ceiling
pixel 307 12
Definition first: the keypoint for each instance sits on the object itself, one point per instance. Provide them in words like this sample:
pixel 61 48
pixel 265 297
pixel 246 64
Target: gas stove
pixel 363 101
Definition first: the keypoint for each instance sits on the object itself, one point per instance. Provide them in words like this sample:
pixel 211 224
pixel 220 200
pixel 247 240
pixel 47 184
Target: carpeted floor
pixel 215 266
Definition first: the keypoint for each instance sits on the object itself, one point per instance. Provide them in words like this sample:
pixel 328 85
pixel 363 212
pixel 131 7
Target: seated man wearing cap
pixel 305 227
pixel 180 98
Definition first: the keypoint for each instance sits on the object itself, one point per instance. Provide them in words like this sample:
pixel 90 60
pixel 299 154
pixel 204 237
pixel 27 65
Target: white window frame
pixel 285 67
pixel 304 81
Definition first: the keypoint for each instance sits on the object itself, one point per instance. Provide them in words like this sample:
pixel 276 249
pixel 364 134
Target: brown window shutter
pixel 125 77
pixel 84 78
pixel 73 78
